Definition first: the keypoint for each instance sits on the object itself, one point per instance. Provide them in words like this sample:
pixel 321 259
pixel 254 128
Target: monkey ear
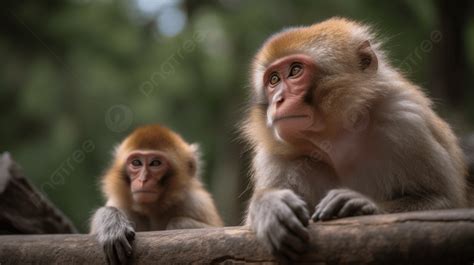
pixel 367 59
pixel 195 163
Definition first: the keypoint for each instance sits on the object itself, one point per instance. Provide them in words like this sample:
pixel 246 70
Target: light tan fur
pixel 406 148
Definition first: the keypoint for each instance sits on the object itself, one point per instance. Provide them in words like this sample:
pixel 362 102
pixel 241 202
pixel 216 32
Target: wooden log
pixel 23 209
pixel 467 143
pixel 432 237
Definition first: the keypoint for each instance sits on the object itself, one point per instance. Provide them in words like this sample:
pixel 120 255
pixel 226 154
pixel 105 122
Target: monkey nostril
pixel 279 100
pixel 279 103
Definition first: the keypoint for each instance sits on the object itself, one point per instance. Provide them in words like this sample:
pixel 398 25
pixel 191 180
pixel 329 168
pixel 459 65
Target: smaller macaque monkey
pixel 153 184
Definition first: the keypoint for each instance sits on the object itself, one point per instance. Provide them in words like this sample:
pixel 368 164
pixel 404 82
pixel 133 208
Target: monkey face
pixel 147 171
pixel 311 85
pixel 289 85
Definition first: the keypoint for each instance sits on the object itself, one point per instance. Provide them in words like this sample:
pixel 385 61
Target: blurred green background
pixel 77 76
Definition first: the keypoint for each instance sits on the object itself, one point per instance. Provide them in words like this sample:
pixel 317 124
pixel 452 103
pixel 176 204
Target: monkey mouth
pixel 144 191
pixel 281 118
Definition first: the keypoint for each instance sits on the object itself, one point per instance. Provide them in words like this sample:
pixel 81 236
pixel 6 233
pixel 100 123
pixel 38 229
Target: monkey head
pixel 313 81
pixel 154 164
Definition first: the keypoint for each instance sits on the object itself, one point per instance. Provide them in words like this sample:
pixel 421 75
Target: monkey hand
pixel 279 219
pixel 116 236
pixel 340 203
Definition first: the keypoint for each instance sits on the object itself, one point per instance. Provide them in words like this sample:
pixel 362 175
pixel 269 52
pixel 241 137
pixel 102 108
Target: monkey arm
pixel 107 218
pixel 280 219
pixel 114 233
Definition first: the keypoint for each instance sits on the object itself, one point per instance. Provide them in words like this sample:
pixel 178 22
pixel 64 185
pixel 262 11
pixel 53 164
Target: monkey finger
pixel 120 253
pixel 321 205
pixel 369 209
pixel 130 235
pixel 351 208
pixel 296 228
pixel 315 216
pixel 329 197
pixel 303 215
pixel 112 259
pixel 318 211
pixel 127 247
pixel 109 259
pixel 299 209
pixel 290 222
pixel 297 244
pixel 333 207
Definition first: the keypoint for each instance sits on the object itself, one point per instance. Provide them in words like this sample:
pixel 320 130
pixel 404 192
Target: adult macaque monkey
pixel 337 131
pixel 153 184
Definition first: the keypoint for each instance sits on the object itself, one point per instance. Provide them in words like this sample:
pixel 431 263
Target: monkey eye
pixel 274 79
pixel 136 163
pixel 295 69
pixel 155 163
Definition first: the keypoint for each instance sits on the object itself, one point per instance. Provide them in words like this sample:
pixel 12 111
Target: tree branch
pixel 433 237
pixel 23 209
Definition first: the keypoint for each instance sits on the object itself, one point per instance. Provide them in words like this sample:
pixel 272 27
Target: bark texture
pixel 23 209
pixel 433 237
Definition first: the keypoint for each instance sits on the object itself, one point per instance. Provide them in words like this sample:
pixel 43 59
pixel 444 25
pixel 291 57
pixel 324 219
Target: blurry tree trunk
pixel 23 209
pixel 449 77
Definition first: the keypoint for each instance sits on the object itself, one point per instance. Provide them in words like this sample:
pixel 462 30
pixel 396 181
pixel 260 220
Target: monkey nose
pixel 279 100
pixel 143 178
